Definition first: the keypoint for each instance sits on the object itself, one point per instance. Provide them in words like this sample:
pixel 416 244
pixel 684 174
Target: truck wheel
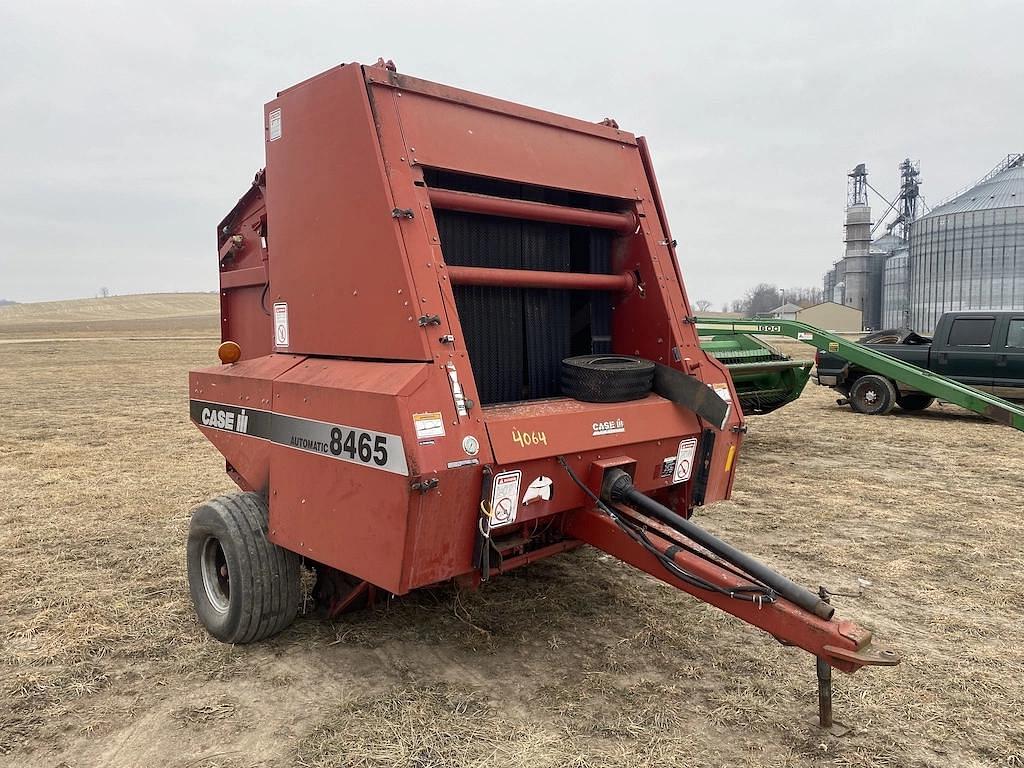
pixel 914 402
pixel 873 395
pixel 606 378
pixel 244 588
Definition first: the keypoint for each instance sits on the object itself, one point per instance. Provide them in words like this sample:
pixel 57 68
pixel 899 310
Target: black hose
pixel 753 593
pixel 619 487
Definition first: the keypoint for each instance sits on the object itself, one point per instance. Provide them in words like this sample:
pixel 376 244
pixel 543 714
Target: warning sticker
pixel 505 497
pixel 428 425
pixel 275 125
pixel 281 324
pixel 722 390
pixel 684 460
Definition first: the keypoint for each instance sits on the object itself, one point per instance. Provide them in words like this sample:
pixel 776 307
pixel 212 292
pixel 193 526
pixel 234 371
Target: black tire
pixel 606 378
pixel 873 395
pixel 914 401
pixel 244 588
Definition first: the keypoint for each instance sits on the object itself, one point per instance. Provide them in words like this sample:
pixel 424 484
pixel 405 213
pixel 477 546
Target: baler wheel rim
pixel 216 576
pixel 254 591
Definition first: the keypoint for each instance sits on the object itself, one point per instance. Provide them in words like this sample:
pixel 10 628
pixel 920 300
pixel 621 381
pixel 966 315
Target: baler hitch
pixel 638 530
pixel 618 487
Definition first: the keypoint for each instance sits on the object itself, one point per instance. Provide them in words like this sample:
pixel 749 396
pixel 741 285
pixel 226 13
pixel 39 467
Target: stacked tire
pixel 606 378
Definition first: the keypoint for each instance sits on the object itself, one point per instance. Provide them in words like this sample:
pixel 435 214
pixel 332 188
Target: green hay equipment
pixel 765 379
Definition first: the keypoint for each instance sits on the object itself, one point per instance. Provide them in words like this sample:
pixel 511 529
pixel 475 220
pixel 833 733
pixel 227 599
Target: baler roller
pixel 625 222
pixel 536 278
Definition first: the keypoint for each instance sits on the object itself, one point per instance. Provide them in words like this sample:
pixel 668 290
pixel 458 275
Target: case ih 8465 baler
pixel 456 340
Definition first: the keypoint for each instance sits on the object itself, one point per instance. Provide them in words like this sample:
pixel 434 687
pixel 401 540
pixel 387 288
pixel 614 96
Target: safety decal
pixel 539 490
pixel 428 425
pixel 505 497
pixel 281 324
pixel 275 125
pixel 684 460
pixel 377 450
pixel 668 466
pixel 722 390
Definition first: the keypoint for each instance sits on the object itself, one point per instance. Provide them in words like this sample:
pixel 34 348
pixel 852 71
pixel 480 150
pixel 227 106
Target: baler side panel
pixel 710 370
pixel 337 257
pixel 349 516
pixel 244 275
pixel 248 384
pixel 422 245
pixel 652 325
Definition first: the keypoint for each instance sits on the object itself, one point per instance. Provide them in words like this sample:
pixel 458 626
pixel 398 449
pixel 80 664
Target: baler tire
pixel 244 587
pixel 606 378
pixel 872 395
pixel 914 401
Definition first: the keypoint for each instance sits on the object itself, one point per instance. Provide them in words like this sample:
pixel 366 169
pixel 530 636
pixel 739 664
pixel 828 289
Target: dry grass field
pixel 574 661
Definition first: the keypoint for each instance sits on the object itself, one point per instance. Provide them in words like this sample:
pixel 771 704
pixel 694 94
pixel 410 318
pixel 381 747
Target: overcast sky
pixel 130 129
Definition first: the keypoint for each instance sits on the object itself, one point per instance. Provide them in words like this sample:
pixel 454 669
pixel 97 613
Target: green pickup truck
pixel 982 349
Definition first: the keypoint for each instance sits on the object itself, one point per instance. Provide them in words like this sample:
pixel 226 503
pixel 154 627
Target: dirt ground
pixel 574 661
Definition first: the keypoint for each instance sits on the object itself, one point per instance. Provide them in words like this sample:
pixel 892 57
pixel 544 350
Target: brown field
pixel 575 661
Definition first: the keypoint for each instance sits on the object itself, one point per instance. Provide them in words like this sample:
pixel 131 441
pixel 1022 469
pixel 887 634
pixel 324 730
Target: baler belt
pixel 518 337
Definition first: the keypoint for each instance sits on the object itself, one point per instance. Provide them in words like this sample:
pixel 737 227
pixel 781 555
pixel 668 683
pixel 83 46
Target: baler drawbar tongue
pixel 635 528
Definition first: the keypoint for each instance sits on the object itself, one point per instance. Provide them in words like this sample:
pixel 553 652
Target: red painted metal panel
pixel 350 517
pixel 336 253
pixel 443 92
pixel 248 383
pixel 561 426
pixel 241 278
pixel 460 137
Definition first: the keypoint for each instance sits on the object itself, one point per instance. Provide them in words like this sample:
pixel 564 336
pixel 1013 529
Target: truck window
pixel 971 332
pixel 1015 336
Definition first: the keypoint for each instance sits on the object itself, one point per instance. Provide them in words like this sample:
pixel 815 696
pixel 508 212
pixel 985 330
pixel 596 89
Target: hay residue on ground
pixel 576 660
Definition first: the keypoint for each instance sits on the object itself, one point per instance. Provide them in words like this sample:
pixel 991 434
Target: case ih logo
pixel 613 427
pixel 231 421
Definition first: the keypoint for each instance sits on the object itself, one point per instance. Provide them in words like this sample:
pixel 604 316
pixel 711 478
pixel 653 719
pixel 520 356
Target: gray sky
pixel 131 128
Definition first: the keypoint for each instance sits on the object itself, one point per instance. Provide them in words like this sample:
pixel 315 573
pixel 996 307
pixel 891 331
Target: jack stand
pixel 824 671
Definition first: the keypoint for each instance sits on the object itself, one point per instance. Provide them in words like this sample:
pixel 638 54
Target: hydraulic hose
pixel 618 487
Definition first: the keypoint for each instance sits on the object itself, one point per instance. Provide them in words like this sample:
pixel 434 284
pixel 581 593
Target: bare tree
pixel 761 299
pixel 104 292
pixel 702 305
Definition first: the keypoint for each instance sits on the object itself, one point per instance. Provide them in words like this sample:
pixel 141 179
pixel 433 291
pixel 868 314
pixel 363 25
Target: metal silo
pixel 857 264
pixel 829 284
pixel 968 253
pixel 895 289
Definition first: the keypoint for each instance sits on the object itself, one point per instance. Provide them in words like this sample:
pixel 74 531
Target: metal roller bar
pixel 625 223
pixel 535 278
